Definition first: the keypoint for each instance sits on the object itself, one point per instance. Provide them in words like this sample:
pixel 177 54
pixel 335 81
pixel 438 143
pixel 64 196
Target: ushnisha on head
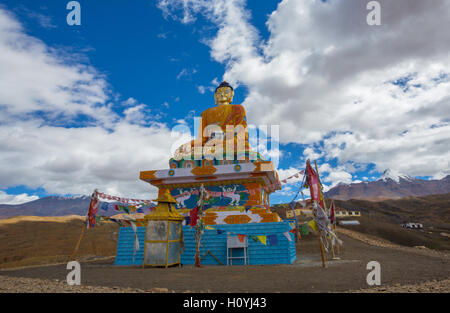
pixel 224 93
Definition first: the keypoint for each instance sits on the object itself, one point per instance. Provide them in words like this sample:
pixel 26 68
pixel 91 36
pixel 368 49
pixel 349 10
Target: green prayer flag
pixel 304 229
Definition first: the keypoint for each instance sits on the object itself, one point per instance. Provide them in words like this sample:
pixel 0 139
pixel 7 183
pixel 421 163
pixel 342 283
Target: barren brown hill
pixel 383 219
pixel 31 240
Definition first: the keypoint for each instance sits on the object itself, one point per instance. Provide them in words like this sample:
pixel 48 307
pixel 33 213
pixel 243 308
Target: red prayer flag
pixel 194 216
pixel 314 184
pixel 241 237
pixel 93 208
pixel 332 219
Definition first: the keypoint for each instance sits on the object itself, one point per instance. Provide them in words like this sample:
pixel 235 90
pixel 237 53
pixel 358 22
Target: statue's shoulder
pixel 238 107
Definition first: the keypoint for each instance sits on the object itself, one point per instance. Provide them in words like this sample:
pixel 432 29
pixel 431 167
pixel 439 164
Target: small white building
pixel 412 225
pixel 347 213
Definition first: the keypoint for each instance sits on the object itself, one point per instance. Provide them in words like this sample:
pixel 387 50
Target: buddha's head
pixel 224 93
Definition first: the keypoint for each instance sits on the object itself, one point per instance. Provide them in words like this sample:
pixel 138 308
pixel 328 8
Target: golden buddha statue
pixel 223 129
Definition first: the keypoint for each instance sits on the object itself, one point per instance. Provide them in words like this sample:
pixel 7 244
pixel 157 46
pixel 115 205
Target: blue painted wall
pixel 282 253
pixel 125 244
pixel 259 254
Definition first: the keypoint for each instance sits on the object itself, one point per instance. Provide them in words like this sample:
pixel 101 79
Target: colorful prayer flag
pixel 287 235
pixel 93 208
pixel 262 239
pixel 125 208
pixel 104 206
pixel 332 218
pixel 273 239
pixel 194 216
pixel 136 240
pixel 304 229
pixel 313 182
pixel 313 225
pixel 241 237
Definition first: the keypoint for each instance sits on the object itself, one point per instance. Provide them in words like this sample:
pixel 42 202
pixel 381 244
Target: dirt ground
pixel 409 266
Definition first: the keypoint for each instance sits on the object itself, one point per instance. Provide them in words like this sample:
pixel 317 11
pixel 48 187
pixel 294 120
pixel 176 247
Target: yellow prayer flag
pixel 262 239
pixel 209 227
pixel 313 225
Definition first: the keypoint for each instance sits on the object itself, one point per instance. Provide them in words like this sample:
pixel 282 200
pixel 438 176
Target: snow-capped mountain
pixel 395 176
pixel 391 185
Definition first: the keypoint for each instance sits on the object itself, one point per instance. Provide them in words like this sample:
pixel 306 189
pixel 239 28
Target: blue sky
pixel 146 66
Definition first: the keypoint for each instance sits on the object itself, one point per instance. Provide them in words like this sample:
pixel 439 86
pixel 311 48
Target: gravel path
pixel 35 285
pixel 402 270
pixel 434 286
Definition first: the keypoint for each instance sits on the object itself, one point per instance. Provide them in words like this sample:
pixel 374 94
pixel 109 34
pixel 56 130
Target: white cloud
pixel 107 152
pixel 36 78
pixel 43 20
pixel 324 74
pixel 186 73
pixel 78 160
pixel 201 89
pixel 183 72
pixel 336 176
pixel 130 101
pixel 310 153
pixel 15 199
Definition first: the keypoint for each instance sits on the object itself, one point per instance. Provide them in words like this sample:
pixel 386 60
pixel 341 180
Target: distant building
pixel 347 213
pixel 298 212
pixel 347 223
pixel 412 225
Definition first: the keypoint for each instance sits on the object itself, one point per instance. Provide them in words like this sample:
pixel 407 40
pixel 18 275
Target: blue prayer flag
pixel 273 240
pixel 104 206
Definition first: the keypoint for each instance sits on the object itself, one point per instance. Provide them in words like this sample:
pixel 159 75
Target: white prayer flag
pixel 287 235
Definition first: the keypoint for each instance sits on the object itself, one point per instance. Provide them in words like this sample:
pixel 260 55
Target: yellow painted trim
pixel 159 241
pixel 167 244
pixel 147 175
pixel 203 170
pixel 170 264
pixel 145 246
pixel 216 183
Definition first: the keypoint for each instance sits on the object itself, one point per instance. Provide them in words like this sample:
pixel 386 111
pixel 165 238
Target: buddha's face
pixel 224 95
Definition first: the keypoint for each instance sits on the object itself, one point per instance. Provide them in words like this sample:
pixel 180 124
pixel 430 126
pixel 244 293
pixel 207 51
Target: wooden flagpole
pixel 77 246
pixel 333 256
pixel 198 231
pixel 83 230
pixel 322 249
